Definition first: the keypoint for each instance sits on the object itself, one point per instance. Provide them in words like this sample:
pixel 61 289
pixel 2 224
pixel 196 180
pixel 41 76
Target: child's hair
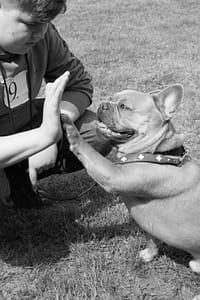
pixel 43 11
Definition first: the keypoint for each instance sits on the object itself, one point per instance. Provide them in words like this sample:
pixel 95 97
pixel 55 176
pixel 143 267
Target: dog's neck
pixel 171 141
pixel 164 140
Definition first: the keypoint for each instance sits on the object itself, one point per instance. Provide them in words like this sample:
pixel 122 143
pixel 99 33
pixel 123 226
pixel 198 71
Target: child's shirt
pixel 21 78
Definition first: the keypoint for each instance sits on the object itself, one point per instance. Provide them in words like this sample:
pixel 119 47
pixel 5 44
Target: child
pixel 31 50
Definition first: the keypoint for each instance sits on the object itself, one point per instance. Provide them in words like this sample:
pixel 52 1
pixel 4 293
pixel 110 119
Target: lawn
pixel 87 248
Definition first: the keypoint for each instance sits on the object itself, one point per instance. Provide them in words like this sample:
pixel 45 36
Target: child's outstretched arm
pixel 19 146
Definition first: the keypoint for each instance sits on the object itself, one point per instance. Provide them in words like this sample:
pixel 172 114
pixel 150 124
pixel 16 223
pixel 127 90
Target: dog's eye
pixel 123 106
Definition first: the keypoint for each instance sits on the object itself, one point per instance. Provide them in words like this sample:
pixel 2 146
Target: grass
pixel 88 248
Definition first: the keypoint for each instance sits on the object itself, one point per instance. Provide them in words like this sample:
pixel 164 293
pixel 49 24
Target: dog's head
pixel 135 121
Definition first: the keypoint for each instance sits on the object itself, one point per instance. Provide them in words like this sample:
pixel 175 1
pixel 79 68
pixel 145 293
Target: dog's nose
pixel 104 106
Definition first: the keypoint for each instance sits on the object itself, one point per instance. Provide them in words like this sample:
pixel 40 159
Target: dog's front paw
pixel 72 133
pixel 148 254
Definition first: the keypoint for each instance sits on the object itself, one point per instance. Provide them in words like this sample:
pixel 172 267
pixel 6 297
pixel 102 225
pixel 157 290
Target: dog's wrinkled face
pixel 127 116
pixel 133 117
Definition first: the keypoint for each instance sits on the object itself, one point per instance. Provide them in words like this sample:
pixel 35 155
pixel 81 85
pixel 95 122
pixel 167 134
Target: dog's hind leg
pixel 151 250
pixel 195 263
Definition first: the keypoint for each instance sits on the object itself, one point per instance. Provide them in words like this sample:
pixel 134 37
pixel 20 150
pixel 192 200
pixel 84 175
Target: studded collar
pixel 173 157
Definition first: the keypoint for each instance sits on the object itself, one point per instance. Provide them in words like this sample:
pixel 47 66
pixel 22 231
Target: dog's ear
pixel 168 100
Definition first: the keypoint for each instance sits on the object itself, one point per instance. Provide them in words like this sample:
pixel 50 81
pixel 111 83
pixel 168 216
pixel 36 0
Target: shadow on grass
pixel 32 237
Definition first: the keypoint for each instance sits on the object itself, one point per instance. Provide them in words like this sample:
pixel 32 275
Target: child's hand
pixel 51 113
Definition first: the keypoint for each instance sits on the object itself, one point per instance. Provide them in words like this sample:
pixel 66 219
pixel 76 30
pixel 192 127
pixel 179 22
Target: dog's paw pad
pixel 147 254
pixel 195 266
pixel 74 140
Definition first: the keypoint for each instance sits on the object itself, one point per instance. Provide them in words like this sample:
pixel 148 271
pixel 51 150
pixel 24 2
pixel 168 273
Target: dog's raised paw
pixel 148 254
pixel 71 132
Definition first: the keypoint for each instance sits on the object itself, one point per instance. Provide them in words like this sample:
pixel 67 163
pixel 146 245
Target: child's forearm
pixel 17 147
pixel 74 105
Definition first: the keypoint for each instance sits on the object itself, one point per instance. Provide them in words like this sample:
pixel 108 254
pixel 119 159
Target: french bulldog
pixel 153 174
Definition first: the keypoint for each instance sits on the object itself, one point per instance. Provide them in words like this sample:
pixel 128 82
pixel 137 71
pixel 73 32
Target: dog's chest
pixel 150 217
pixel 142 211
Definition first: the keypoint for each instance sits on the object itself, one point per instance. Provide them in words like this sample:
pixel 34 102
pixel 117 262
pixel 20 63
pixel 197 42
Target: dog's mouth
pixel 112 134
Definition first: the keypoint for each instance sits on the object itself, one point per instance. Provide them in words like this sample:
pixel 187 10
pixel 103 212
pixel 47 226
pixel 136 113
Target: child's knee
pixel 4 187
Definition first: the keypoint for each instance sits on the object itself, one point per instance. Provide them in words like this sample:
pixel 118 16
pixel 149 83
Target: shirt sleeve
pixel 61 59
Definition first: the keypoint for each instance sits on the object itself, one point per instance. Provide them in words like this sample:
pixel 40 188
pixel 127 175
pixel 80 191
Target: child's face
pixel 18 32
